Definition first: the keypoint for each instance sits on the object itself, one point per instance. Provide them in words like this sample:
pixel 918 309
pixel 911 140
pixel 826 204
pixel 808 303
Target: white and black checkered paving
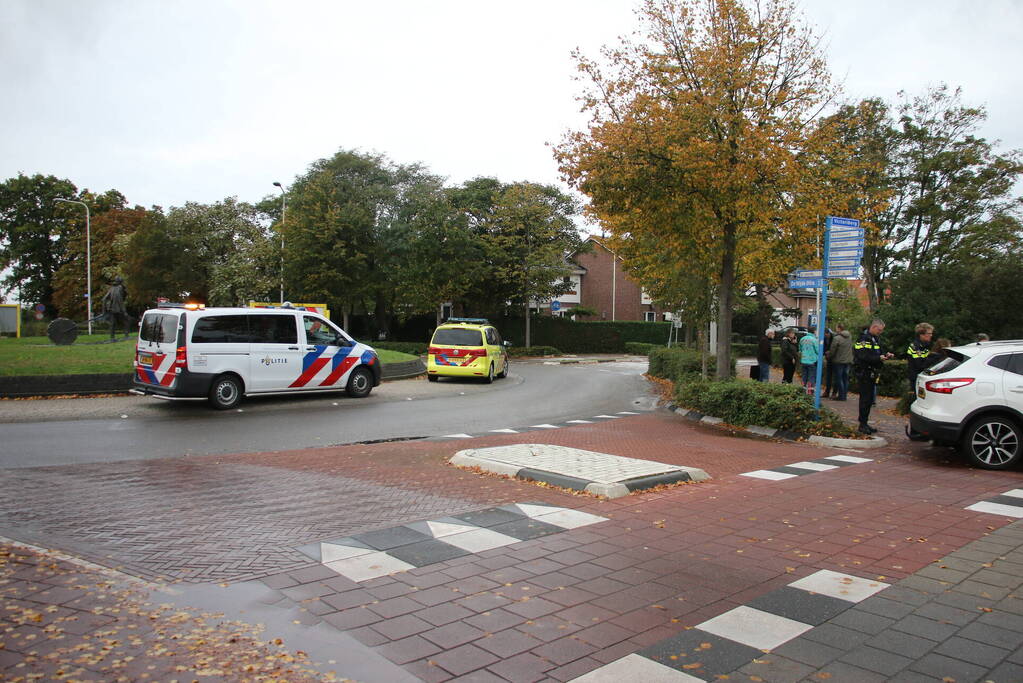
pixel 1009 504
pixel 726 643
pixel 385 551
pixel 538 427
pixel 799 469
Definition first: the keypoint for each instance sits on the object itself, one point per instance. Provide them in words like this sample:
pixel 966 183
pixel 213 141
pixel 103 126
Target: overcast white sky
pixel 203 99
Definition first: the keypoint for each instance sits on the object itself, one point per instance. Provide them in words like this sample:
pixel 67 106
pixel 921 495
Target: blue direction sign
pixel 805 272
pixel 806 283
pixel 555 305
pixel 844 222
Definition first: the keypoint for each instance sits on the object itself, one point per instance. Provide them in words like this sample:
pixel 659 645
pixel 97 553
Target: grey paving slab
pixel 716 656
pixel 800 605
pixel 427 552
pixel 941 667
pixel 878 661
pixel 490 517
pixel 525 529
pixel 385 539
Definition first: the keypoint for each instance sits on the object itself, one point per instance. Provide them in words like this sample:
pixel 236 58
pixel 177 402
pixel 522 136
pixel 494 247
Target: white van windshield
pixel 160 328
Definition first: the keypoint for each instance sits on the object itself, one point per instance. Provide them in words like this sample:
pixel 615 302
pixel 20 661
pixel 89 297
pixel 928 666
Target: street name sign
pixel 806 283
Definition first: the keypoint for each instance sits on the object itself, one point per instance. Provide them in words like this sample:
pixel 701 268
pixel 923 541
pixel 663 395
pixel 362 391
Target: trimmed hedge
pixel 742 403
pixel 639 348
pixel 414 348
pixel 680 364
pixel 892 382
pixel 582 337
pixel 744 350
pixel 533 350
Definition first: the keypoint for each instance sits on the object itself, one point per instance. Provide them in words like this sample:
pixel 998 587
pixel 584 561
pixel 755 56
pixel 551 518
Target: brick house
pixel 803 302
pixel 601 284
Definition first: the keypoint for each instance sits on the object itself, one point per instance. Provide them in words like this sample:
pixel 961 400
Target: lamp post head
pixel 277 184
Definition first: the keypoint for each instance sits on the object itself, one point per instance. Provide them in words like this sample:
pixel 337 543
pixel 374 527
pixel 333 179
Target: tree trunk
pixel 380 317
pixel 726 298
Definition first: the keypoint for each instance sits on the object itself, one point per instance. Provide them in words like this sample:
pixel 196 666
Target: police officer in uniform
pixel 919 358
pixel 867 360
pixel 919 350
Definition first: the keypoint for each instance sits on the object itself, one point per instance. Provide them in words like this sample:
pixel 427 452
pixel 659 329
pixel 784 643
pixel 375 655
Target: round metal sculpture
pixel 62 331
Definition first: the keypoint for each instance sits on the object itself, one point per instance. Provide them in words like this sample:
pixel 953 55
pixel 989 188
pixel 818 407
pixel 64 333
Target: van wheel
pixel 489 379
pixel 504 370
pixel 993 443
pixel 359 383
pixel 226 392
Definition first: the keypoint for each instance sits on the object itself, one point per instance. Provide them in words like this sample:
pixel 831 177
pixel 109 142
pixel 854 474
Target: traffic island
pixel 601 474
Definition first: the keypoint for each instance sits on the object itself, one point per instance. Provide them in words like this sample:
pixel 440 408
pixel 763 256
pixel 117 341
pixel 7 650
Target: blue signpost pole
pixel 822 318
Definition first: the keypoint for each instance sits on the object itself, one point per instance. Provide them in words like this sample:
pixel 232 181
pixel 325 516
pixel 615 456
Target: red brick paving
pixel 674 558
pixel 556 607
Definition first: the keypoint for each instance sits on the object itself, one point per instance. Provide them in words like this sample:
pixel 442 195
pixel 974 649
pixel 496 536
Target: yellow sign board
pixel 315 308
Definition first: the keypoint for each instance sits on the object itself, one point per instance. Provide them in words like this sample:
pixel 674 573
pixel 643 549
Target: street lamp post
pixel 88 256
pixel 284 213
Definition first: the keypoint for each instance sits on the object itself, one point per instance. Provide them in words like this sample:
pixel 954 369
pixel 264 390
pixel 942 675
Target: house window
pixel 650 316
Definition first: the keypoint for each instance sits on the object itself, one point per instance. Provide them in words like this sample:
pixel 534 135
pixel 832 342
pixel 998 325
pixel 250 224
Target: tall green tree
pixel 342 223
pixel 699 138
pixel 522 233
pixel 38 235
pixel 108 227
pixel 948 191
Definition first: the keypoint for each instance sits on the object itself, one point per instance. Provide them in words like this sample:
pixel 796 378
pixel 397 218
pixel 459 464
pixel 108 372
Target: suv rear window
pixel 457 336
pixel 953 359
pixel 160 328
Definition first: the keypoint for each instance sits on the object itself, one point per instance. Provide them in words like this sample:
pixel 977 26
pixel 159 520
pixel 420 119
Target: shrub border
pixel 784 434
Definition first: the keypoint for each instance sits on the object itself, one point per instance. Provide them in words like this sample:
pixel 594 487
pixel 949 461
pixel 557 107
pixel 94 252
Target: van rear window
pixel 456 336
pixel 273 329
pixel 160 328
pixel 221 329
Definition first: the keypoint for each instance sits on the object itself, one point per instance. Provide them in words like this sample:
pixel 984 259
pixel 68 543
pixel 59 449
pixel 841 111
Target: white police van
pixel 186 351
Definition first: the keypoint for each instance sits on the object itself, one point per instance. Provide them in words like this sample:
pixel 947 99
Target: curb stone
pixel 58 385
pixel 771 432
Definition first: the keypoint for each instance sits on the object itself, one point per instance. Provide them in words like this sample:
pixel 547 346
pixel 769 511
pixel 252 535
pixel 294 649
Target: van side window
pixel 492 336
pixel 273 329
pixel 319 332
pixel 221 329
pixel 160 328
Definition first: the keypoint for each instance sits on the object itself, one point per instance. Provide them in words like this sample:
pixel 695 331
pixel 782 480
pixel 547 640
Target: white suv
pixel 974 398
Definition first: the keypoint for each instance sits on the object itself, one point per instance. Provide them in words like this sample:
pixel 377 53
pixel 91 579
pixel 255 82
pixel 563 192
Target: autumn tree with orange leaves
pixel 703 140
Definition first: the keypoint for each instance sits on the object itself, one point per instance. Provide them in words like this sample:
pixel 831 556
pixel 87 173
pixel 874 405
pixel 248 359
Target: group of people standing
pixel 805 352
pixel 864 358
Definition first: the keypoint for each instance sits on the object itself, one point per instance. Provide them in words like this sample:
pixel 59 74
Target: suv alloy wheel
pixel 993 443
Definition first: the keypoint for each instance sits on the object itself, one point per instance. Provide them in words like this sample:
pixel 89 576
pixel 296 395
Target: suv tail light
pixel 947 386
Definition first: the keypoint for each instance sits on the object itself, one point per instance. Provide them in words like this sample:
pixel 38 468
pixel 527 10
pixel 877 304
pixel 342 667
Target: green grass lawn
pixel 37 356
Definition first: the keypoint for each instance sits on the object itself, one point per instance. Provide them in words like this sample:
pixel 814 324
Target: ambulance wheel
pixel 504 370
pixel 226 392
pixel 360 383
pixel 432 378
pixel 489 379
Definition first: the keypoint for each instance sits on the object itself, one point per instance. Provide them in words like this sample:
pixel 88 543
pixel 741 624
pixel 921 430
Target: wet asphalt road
pixel 66 431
